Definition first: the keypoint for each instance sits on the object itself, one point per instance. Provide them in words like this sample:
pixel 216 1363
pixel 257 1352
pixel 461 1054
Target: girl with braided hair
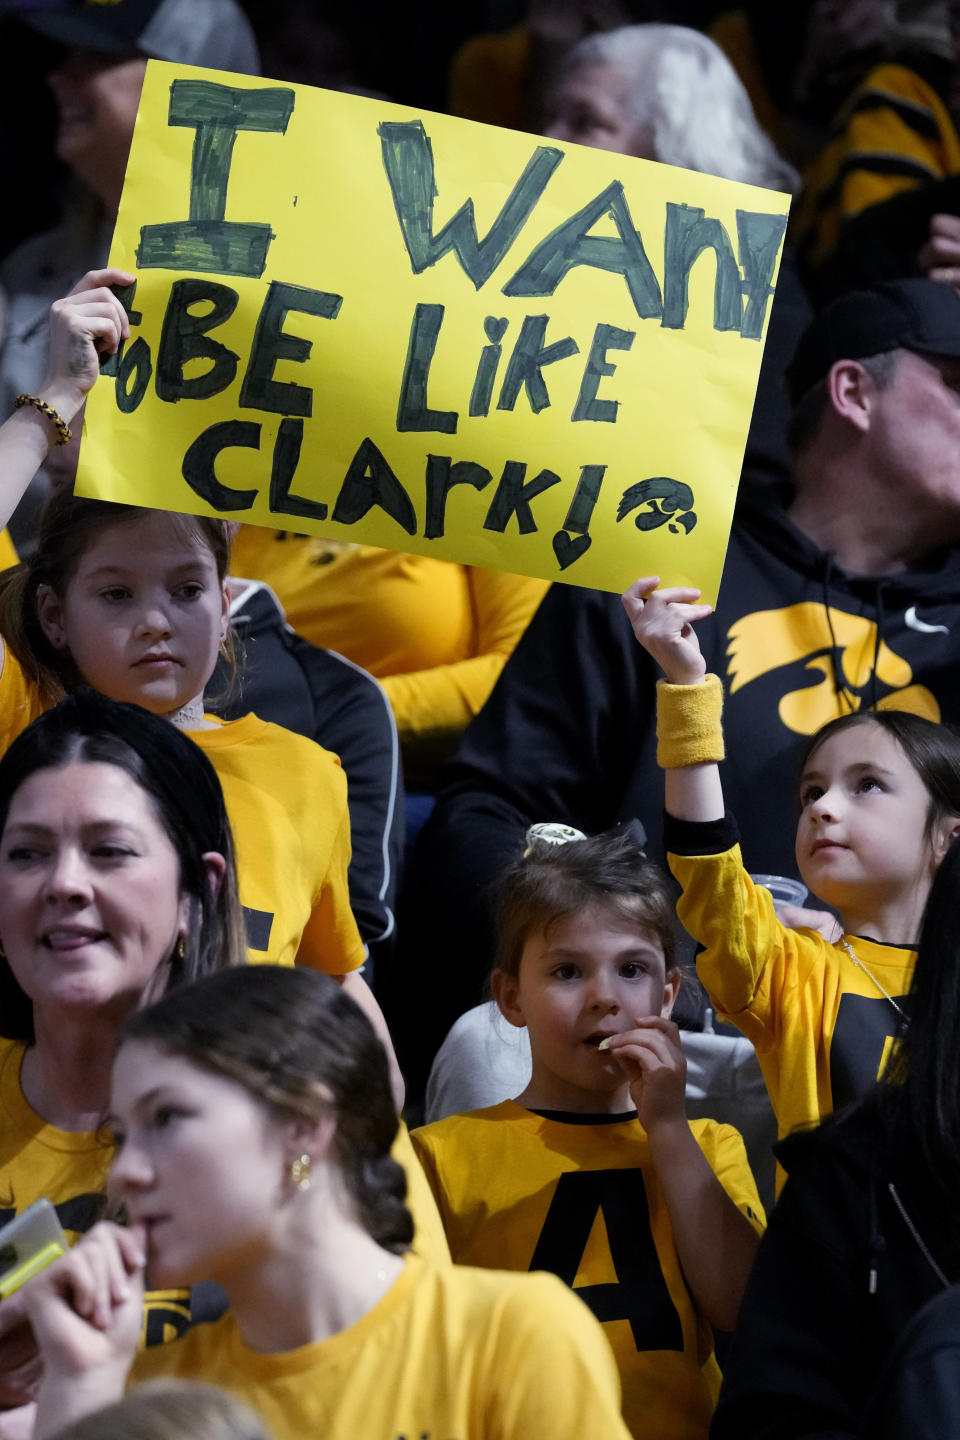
pixel 252 1120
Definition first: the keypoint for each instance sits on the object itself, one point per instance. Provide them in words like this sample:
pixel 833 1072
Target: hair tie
pixel 551 832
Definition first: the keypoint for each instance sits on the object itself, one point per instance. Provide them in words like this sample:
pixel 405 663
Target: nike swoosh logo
pixel 912 623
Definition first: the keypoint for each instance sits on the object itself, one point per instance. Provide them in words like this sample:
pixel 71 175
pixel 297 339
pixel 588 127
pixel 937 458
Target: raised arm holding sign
pixel 848 601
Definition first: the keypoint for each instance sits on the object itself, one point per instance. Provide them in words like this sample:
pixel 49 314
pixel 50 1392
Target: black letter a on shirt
pixel 641 1296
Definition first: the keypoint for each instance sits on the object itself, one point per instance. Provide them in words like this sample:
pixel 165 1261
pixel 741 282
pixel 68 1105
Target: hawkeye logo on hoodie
pixel 840 653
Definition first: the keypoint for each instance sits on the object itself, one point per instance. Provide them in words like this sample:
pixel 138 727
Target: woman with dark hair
pixel 117 882
pixel 253 1120
pixel 855 1281
pixel 181 793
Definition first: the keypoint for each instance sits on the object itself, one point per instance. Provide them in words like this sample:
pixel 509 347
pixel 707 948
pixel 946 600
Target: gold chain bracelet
pixel 64 433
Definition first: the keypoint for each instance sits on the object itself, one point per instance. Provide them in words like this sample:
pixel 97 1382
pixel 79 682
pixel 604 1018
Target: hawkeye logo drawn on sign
pixel 431 335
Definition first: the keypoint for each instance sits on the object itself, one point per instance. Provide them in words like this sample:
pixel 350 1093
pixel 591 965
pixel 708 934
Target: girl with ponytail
pixel 252 1120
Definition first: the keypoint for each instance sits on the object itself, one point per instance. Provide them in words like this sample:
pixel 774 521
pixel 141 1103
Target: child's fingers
pixel 663 623
pixel 657 1084
pixel 631 1054
pixel 655 1047
pixel 635 598
pixel 679 617
pixel 657 599
pixel 653 1044
pixel 689 614
pixel 675 604
pixel 677 595
pixel 641 588
pixel 657 1022
pixel 666 619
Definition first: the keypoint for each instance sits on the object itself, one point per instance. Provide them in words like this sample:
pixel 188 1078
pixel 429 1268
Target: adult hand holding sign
pixel 88 323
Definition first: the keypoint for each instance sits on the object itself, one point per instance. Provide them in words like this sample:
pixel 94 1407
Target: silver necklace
pixel 868 972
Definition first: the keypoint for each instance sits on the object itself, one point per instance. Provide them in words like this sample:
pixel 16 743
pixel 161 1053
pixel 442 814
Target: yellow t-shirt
pixel 448 1353
pixel 36 1159
pixel 822 1028
pixel 429 1239
pixel 287 802
pixel 19 700
pixel 434 633
pixel 8 551
pixel 579 1196
pixel 68 1168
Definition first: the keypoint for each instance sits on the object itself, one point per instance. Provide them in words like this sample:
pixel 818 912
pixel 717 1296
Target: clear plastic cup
pixel 783 888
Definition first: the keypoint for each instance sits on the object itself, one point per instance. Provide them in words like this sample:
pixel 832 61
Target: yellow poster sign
pixel 376 324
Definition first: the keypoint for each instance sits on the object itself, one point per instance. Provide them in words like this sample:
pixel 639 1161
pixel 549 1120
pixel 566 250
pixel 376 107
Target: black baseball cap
pixel 213 33
pixel 921 315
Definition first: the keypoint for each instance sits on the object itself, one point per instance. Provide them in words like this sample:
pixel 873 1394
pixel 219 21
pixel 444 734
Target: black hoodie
pixel 856 1246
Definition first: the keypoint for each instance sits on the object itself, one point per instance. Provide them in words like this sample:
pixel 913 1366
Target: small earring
pixel 300 1172
pixel 179 950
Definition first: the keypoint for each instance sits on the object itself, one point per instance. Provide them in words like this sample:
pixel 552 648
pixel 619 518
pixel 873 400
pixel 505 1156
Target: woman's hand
pixel 87 323
pixel 652 1059
pixel 21 1368
pixel 663 621
pixel 86 1308
pixel 86 1312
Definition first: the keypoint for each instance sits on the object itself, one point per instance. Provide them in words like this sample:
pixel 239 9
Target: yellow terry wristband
pixel 689 731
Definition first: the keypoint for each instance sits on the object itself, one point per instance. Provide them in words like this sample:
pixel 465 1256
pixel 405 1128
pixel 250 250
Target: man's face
pixel 590 106
pixel 915 436
pixel 97 98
